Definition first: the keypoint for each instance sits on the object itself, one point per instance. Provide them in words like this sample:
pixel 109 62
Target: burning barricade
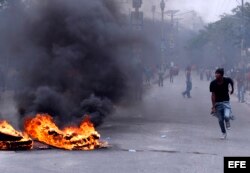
pixel 10 139
pixel 43 129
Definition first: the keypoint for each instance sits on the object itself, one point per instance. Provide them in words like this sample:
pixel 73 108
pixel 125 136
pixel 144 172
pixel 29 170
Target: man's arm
pixel 213 98
pixel 231 82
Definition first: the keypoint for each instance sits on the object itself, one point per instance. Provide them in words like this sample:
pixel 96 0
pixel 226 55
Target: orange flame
pixel 6 128
pixel 43 128
pixel 13 139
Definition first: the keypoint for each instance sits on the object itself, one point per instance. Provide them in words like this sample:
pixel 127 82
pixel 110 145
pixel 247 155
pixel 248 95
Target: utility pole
pixel 243 52
pixel 172 13
pixel 163 40
pixel 242 4
pixel 172 43
pixel 178 23
pixel 162 5
pixel 137 15
pixel 137 26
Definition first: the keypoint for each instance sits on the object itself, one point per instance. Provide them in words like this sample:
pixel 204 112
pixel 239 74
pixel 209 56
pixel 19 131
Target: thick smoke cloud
pixel 69 57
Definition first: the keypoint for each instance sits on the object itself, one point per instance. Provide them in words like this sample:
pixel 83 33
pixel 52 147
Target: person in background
pixel 171 74
pixel 241 87
pixel 161 76
pixel 148 75
pixel 187 92
pixel 201 74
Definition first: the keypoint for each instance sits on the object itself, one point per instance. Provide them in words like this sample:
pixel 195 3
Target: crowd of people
pixel 158 73
pixel 241 76
pixel 223 83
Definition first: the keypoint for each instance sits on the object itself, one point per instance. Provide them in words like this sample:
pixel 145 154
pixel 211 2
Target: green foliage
pixel 2 3
pixel 224 36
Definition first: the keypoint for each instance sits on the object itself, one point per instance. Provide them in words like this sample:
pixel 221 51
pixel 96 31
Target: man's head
pixel 219 73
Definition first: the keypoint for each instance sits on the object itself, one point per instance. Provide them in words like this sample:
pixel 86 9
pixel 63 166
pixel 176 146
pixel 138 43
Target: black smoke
pixel 70 57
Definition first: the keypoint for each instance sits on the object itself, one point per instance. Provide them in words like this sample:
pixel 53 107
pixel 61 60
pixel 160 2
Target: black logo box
pixel 236 162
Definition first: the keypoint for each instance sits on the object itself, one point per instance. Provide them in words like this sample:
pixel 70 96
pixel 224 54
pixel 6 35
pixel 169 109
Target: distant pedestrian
pixel 248 80
pixel 209 74
pixel 171 74
pixel 148 75
pixel 201 74
pixel 241 87
pixel 188 73
pixel 161 76
pixel 221 107
pixel 187 92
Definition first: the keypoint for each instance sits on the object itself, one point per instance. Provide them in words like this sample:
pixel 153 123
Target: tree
pixel 3 4
pixel 220 42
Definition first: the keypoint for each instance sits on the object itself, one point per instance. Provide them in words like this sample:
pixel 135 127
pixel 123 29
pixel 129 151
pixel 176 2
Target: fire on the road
pixel 43 128
pixel 10 139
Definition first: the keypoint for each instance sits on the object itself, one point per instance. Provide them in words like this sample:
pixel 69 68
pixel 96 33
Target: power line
pixel 238 2
pixel 219 6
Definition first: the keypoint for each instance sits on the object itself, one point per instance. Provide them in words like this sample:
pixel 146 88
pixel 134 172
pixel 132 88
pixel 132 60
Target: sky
pixel 210 10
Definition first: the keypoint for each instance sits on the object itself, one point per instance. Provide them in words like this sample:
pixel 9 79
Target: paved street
pixel 164 134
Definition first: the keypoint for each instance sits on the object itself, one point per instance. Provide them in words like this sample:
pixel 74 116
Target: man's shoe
pixel 228 125
pixel 224 136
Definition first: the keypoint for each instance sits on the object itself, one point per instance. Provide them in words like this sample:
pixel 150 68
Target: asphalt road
pixel 164 134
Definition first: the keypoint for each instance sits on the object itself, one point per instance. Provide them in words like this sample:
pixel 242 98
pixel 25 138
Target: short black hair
pixel 220 71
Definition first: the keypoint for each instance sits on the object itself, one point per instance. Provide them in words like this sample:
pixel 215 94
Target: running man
pixel 221 107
